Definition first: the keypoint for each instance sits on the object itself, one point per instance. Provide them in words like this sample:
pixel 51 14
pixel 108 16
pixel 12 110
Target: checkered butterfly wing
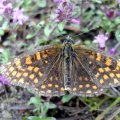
pixel 53 81
pixel 33 70
pixel 83 83
pixel 103 70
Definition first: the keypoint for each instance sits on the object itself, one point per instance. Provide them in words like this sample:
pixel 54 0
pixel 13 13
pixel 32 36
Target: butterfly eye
pixel 68 41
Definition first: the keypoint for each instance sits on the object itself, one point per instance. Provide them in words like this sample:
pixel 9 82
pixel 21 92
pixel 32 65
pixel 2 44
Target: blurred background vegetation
pixel 27 24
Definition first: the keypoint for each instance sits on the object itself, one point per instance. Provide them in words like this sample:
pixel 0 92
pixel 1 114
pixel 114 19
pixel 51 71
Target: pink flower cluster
pixel 118 1
pixel 18 16
pixel 7 10
pixel 5 7
pixel 65 11
pixel 101 39
pixel 3 80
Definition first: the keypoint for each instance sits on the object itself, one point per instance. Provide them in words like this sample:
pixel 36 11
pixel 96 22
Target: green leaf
pixel 47 31
pixel 97 1
pixel 1 32
pixel 40 25
pixel 45 107
pixel 61 26
pixel 117 35
pixel 39 118
pixel 5 25
pixel 66 98
pixel 50 105
pixel 87 42
pixel 26 4
pixel 107 24
pixel 41 3
pixel 117 21
pixel 29 36
pixel 1 18
pixel 35 101
pixel 5 56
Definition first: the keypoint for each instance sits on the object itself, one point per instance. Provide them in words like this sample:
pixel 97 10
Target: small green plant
pixel 41 109
pixel 5 56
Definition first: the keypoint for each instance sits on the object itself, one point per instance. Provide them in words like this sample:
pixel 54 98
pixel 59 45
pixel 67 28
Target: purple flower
pixel 112 51
pixel 57 1
pixel 110 13
pixel 2 9
pixel 7 10
pixel 118 13
pixel 65 12
pixel 18 16
pixel 118 1
pixel 76 21
pixel 101 39
pixel 3 80
pixel 5 7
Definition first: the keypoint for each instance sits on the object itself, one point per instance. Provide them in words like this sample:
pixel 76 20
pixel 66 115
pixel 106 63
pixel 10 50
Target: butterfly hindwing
pixel 82 84
pixel 104 69
pixel 53 81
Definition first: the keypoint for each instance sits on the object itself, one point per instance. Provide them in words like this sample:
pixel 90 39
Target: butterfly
pixel 53 70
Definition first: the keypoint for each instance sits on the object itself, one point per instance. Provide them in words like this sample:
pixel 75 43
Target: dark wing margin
pixel 27 70
pixel 104 69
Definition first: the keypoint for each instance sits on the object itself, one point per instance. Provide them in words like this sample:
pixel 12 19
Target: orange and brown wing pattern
pixel 91 72
pixel 30 70
pixel 53 84
pixel 104 70
pixel 83 84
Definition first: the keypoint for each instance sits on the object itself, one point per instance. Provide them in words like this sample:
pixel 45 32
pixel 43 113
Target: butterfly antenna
pixel 83 32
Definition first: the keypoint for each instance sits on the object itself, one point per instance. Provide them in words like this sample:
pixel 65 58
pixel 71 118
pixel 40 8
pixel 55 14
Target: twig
pixel 111 117
pixel 101 116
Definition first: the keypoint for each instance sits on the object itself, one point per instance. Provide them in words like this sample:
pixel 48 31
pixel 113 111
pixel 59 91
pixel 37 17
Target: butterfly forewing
pixel 28 70
pixel 104 70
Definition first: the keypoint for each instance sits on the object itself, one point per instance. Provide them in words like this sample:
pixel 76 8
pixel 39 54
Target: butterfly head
pixel 68 40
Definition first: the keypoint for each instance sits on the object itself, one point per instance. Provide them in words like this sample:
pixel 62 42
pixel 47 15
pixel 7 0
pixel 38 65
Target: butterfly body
pixel 67 56
pixel 54 69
